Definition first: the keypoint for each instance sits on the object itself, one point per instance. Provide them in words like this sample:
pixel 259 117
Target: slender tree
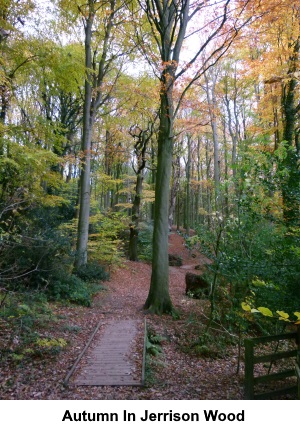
pixel 99 58
pixel 169 22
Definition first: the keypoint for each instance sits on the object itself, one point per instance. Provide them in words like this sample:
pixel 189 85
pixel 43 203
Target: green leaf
pixel 258 283
pixel 265 311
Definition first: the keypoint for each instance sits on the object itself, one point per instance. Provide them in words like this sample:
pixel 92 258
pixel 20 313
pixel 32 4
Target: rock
pixel 196 286
pixel 175 260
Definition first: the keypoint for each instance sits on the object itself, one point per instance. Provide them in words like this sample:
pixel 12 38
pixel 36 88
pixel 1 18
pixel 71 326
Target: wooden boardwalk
pixel 110 359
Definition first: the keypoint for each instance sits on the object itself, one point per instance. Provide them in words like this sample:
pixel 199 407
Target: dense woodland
pixel 120 120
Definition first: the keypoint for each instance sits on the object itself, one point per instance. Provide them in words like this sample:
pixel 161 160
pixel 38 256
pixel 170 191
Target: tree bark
pixel 174 191
pixel 290 164
pixel 133 239
pixel 85 187
pixel 212 105
pixel 93 99
pixel 188 188
pixel 158 300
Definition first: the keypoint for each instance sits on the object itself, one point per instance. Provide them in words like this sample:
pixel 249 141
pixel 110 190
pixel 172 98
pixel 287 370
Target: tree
pixel 169 22
pixel 278 47
pixel 142 138
pixel 15 48
pixel 103 67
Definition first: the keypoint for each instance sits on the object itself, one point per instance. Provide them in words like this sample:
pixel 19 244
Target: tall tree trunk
pixel 226 175
pixel 85 186
pixel 174 191
pixel 290 164
pixel 168 22
pixel 198 197
pixel 153 179
pixel 133 239
pixel 188 188
pixel 158 300
pixel 96 71
pixel 208 191
pixel 142 136
pixel 212 104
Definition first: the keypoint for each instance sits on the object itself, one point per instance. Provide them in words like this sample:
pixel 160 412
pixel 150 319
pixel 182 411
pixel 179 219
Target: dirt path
pixel 173 374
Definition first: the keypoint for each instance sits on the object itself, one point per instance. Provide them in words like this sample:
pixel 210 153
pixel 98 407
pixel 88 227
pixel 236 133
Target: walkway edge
pixel 66 380
pixel 144 352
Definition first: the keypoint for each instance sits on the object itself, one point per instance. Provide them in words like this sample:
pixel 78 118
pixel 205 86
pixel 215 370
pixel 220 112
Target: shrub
pixel 92 272
pixel 49 346
pixel 70 288
pixel 251 254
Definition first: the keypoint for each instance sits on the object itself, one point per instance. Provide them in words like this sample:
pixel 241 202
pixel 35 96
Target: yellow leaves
pixel 148 196
pixel 258 283
pixel 265 311
pixel 202 211
pixel 281 315
pixel 246 307
pixel 297 314
pixel 53 200
pixel 124 205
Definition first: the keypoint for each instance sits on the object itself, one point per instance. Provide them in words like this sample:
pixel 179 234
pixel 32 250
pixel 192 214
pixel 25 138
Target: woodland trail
pixel 173 374
pixel 125 365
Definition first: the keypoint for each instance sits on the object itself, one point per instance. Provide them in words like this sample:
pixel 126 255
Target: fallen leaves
pixel 176 375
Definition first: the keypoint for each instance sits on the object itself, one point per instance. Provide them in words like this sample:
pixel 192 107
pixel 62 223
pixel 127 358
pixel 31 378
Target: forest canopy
pixel 120 120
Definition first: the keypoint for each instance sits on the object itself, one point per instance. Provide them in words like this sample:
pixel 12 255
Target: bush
pixel 70 288
pixel 25 309
pixel 254 255
pixel 48 346
pixel 92 272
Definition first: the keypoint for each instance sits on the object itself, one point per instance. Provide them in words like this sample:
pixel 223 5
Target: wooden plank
pixel 249 369
pixel 70 373
pixel 275 356
pixel 298 337
pixel 110 360
pixel 274 376
pixel 282 391
pixel 274 338
pixel 251 360
pixel 297 368
pixel 144 352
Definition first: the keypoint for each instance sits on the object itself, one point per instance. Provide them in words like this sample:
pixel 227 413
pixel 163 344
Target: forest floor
pixel 177 372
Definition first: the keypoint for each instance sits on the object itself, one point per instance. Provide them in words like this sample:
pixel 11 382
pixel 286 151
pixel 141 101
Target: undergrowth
pixel 153 351
pixel 26 313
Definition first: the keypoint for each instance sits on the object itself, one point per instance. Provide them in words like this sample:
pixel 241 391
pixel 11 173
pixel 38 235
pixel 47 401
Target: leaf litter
pixel 172 374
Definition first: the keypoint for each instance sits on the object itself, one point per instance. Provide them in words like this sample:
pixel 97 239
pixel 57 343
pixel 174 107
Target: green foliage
pixel 196 339
pixel 105 243
pixel 50 346
pixel 210 345
pixel 22 315
pixel 153 342
pixel 92 272
pixel 280 315
pixel 145 242
pixel 25 310
pixel 251 253
pixel 68 287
